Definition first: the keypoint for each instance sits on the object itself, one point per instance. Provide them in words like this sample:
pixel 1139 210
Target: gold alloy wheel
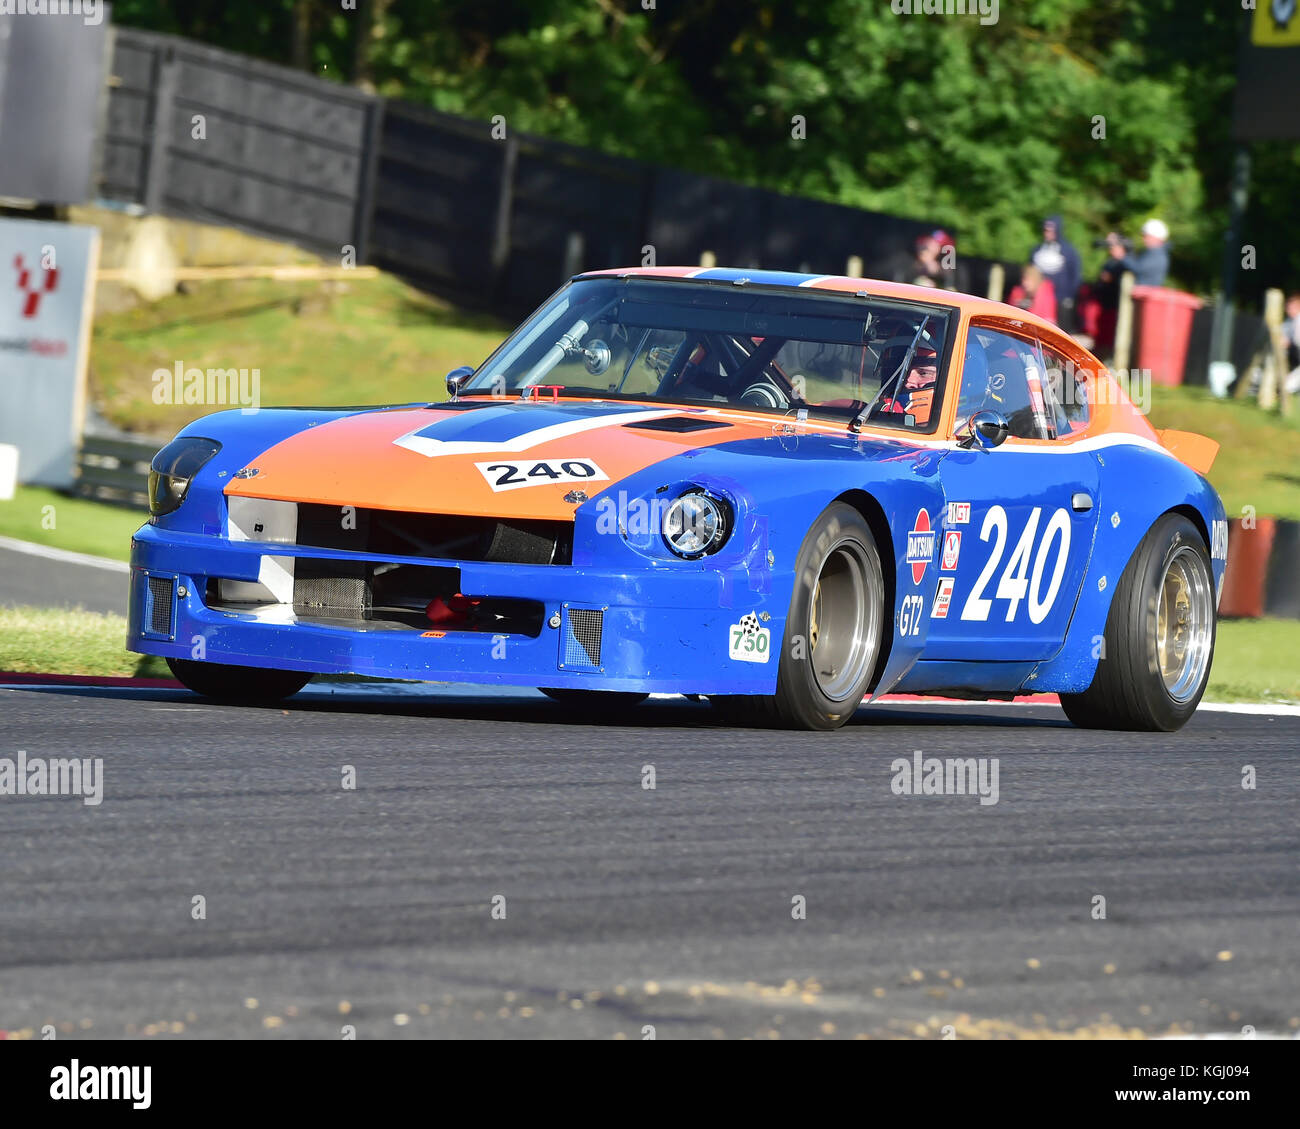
pixel 1184 622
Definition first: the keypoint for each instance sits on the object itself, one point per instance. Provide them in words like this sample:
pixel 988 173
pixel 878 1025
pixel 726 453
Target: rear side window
pixel 1005 374
pixel 1069 392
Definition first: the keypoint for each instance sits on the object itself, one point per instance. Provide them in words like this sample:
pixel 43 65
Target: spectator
pixel 1291 335
pixel 1060 264
pixel 1105 294
pixel 927 267
pixel 1150 266
pixel 1034 293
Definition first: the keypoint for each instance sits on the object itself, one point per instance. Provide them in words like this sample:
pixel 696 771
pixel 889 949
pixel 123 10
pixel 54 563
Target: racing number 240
pixel 1017 581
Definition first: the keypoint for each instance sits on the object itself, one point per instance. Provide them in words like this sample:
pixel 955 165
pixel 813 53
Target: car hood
pixel 482 459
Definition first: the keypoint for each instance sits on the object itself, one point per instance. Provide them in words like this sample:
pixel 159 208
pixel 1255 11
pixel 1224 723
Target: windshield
pixel 749 347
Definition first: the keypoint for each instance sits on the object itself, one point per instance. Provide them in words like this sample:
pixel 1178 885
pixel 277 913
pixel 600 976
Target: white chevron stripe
pixel 434 448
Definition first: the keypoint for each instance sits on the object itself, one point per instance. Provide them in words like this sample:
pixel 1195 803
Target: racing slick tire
pixel 833 650
pixel 1159 639
pixel 596 700
pixel 238 683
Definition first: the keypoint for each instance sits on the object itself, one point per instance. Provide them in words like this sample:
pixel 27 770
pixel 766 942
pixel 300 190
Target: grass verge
pixel 1256 464
pixel 63 522
pixel 1255 660
pixel 58 641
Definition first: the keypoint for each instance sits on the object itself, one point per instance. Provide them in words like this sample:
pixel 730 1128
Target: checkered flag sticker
pixel 749 624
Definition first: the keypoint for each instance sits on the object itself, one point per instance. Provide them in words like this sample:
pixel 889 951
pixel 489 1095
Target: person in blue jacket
pixel 1059 261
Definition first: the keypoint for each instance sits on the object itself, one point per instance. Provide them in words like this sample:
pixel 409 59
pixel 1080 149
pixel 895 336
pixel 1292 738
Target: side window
pixel 1003 373
pixel 1069 393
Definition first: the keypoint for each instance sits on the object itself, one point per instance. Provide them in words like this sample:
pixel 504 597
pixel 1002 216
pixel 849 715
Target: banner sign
pixel 1268 73
pixel 47 279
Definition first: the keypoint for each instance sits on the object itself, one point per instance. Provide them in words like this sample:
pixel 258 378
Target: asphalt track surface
pixel 627 907
pixel 44 582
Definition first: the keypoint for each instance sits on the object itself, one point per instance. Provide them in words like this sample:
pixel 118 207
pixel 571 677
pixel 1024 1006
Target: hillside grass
pixel 372 341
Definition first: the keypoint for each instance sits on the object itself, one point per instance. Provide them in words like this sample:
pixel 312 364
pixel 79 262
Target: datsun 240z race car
pixel 779 491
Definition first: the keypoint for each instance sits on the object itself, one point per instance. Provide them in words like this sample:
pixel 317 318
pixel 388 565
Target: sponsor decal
pixel 959 513
pixel 951 550
pixel 749 641
pixel 942 599
pixel 1219 540
pixel 433 635
pixel 506 475
pixel 920 546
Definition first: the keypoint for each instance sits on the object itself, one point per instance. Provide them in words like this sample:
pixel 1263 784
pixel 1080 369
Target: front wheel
pixel 1159 641
pixel 833 637
pixel 229 683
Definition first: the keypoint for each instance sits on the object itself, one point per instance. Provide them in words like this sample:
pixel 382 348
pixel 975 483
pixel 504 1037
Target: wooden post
pixel 1274 376
pixel 1124 323
pixel 997 282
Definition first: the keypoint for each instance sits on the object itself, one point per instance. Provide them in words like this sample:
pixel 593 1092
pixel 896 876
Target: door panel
pixel 1013 545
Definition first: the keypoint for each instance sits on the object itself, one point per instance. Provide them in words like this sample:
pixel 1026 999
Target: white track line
pixel 64 555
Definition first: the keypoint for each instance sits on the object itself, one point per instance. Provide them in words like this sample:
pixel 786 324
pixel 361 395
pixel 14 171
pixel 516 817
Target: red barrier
pixel 1244 581
pixel 1166 328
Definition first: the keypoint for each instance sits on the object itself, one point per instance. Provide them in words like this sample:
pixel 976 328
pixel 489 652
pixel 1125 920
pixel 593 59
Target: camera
pixel 1124 241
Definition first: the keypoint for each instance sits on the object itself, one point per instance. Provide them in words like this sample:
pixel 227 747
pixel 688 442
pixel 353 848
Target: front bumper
pixel 662 630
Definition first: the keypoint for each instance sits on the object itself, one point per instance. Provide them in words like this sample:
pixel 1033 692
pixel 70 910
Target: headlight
pixel 696 525
pixel 173 468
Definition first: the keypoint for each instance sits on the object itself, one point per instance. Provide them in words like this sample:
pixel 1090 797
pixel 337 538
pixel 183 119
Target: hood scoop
pixel 678 424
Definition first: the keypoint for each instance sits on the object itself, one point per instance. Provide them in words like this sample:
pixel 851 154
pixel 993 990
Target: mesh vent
pixel 160 605
pixel 582 638
pixel 347 596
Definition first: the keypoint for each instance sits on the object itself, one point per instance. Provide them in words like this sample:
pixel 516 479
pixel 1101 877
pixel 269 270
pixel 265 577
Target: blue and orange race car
pixel 783 492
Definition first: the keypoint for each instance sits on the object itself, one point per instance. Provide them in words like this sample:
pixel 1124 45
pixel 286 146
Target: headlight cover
pixel 173 468
pixel 696 524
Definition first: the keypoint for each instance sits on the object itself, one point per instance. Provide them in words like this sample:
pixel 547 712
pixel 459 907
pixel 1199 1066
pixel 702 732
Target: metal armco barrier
pixel 1263 575
pixel 115 470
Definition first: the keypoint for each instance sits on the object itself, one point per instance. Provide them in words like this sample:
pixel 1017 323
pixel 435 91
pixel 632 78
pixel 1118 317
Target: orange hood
pixel 508 460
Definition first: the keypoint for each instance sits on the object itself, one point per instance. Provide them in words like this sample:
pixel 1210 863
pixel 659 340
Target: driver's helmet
pixel 974 380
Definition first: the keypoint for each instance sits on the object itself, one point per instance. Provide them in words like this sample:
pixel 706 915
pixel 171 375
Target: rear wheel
pixel 1159 637
pixel 832 649
pixel 595 700
pixel 238 683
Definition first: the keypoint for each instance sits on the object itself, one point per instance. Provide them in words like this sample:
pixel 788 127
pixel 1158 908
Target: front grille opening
pixel 160 604
pixel 384 595
pixel 454 537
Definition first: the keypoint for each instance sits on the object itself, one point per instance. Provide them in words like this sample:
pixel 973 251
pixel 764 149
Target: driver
pixel 917 395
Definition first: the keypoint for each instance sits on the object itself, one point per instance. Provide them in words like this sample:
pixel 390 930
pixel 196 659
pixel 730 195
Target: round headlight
pixel 695 525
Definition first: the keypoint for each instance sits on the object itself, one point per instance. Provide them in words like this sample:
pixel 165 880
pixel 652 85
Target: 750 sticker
pixel 749 641
pixel 502 475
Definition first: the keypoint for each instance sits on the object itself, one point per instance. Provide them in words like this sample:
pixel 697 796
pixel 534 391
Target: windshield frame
pixel 944 316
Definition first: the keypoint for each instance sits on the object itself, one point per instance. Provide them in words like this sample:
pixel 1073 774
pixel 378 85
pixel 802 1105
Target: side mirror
pixel 457 379
pixel 985 430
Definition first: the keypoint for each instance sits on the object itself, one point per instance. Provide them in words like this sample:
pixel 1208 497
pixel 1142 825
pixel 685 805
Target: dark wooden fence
pixel 491 221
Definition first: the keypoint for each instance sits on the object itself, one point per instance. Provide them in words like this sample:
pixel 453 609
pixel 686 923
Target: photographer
pixel 1150 266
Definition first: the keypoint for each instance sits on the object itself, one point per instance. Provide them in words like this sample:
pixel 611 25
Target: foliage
pixel 984 129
